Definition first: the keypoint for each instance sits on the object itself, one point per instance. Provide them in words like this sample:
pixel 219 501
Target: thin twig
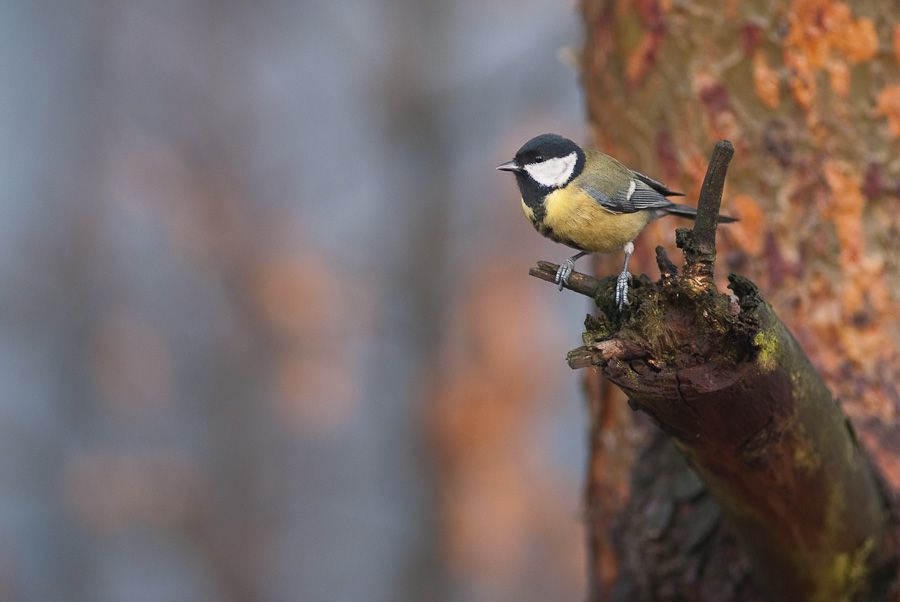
pixel 578 282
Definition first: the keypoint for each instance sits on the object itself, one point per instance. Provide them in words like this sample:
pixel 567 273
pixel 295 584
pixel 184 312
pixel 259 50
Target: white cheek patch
pixel 553 173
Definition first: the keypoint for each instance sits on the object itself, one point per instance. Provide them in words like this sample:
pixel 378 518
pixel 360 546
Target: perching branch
pixel 742 403
pixel 578 282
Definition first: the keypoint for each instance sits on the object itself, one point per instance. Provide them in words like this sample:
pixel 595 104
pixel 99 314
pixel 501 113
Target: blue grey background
pixel 236 240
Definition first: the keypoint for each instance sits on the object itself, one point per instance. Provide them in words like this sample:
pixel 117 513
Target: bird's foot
pixel 564 271
pixel 621 296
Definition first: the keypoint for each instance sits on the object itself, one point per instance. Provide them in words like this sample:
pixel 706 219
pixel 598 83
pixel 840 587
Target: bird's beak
pixel 509 166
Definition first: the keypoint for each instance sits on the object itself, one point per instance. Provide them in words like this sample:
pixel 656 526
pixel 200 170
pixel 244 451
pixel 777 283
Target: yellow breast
pixel 572 215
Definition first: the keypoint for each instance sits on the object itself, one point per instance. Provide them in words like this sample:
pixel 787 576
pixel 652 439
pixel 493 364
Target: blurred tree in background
pixel 246 249
pixel 807 90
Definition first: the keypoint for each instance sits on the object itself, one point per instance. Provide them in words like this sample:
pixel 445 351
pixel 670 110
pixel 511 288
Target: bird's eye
pixel 539 159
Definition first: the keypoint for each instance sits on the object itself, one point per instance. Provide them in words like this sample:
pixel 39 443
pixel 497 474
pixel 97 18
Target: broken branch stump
pixel 731 387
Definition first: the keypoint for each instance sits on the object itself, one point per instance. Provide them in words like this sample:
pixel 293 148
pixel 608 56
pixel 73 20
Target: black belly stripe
pixel 547 231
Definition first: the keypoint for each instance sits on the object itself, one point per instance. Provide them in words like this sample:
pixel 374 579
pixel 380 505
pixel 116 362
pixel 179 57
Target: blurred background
pixel 267 328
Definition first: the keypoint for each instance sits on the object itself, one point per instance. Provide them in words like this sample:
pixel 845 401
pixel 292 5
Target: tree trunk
pixel 808 92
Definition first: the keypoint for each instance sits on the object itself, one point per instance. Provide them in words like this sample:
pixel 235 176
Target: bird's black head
pixel 544 164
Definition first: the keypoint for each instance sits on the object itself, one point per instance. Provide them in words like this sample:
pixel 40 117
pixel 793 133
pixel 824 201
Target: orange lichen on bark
pixel 642 58
pixel 862 287
pixel 844 209
pixel 716 102
pixel 888 106
pixel 749 232
pixel 766 81
pixel 694 168
pixel 802 81
pixel 839 77
pixel 823 35
pixel 857 39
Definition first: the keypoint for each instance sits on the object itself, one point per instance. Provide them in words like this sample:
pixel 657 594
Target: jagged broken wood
pixel 723 377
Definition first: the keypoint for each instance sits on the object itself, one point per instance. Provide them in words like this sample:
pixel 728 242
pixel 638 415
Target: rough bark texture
pixel 808 92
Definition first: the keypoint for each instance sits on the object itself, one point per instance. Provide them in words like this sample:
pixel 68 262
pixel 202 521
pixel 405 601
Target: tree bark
pixel 808 92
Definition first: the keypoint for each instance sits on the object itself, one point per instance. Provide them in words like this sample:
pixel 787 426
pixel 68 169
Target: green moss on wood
pixel 847 579
pixel 767 345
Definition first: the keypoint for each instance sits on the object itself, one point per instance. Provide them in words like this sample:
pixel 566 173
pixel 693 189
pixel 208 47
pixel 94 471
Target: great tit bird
pixel 589 201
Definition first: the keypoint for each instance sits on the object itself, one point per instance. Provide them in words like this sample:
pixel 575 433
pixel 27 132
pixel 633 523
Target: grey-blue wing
pixel 656 185
pixel 639 198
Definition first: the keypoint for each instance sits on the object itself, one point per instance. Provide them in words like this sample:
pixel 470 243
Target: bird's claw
pixel 621 296
pixel 564 271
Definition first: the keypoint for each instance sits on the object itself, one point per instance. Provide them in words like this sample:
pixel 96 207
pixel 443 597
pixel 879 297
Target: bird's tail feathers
pixel 691 213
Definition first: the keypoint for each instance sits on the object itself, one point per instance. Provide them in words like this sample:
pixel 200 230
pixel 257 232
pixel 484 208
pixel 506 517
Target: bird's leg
pixel 624 277
pixel 565 270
